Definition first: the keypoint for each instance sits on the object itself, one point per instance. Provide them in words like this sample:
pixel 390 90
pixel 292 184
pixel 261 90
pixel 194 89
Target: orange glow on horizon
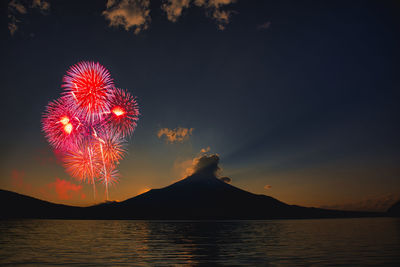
pixel 118 111
pixel 146 189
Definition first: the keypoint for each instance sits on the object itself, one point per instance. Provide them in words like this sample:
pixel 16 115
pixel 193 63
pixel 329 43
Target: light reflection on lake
pixel 347 242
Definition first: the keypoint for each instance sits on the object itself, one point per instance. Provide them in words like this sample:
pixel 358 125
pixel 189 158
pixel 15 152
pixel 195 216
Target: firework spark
pixel 124 111
pixel 61 125
pixel 90 85
pixel 89 123
pixel 112 144
pixel 83 163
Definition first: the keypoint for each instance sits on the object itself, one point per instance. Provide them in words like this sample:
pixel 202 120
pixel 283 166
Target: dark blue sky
pixel 307 104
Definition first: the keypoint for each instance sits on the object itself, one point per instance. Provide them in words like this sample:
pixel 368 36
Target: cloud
pixel 66 190
pixel 267 187
pixel 184 168
pixel 213 8
pixel 205 150
pixel 264 26
pixel 45 157
pixel 177 135
pixel 17 6
pixel 18 181
pixel 373 203
pixel 41 4
pixel 174 8
pixel 16 9
pixel 201 163
pixel 128 14
pixel 226 180
pixel 62 189
pixel 207 164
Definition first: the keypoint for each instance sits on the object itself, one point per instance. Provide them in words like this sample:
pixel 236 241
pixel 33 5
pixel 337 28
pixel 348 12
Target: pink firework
pixel 89 124
pixel 112 145
pixel 62 126
pixel 109 177
pixel 124 112
pixel 83 163
pixel 89 84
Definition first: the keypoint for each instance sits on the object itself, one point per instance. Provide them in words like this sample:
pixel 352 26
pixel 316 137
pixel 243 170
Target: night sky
pixel 300 99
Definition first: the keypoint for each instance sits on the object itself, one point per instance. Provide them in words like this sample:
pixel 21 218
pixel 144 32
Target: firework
pixel 89 124
pixel 124 111
pixel 89 84
pixel 112 144
pixel 61 125
pixel 83 163
pixel 110 177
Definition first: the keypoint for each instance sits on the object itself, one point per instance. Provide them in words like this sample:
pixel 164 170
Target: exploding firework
pixel 62 125
pixel 83 163
pixel 89 124
pixel 124 111
pixel 89 84
pixel 109 177
pixel 112 144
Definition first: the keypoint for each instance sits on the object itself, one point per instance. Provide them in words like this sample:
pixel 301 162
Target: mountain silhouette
pixel 199 196
pixel 394 210
pixel 204 196
pixel 14 205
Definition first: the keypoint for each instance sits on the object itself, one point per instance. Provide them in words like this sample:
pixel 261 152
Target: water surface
pixel 329 242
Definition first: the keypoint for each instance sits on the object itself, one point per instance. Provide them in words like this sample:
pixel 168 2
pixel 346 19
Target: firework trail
pixel 113 146
pixel 89 123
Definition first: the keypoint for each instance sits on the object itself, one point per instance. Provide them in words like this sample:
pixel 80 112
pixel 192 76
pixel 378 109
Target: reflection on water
pixel 292 242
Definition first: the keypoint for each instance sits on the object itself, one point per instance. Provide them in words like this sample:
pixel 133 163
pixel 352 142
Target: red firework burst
pixel 89 84
pixel 83 163
pixel 124 112
pixel 88 125
pixel 109 176
pixel 62 125
pixel 111 146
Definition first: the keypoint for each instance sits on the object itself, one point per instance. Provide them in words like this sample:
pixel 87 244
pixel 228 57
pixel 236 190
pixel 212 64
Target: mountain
pixel 14 205
pixel 394 210
pixel 200 196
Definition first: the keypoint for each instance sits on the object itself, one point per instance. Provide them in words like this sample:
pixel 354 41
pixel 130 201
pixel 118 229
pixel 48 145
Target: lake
pixel 319 242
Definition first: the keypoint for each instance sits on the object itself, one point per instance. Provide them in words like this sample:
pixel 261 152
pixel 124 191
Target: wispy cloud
pixel 18 181
pixel 41 4
pixel 216 9
pixel 66 190
pixel 226 180
pixel 267 187
pixel 61 189
pixel 174 8
pixel 129 14
pixel 17 6
pixel 264 26
pixel 177 135
pixel 16 9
